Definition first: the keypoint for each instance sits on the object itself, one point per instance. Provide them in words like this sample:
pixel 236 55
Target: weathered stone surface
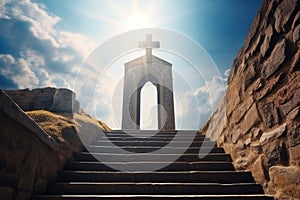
pixel 269 115
pixel 40 99
pixel 63 101
pixel 294 113
pixel 259 170
pixel 271 135
pixel 287 91
pixel 268 36
pixel 52 99
pixel 294 155
pixel 292 103
pixel 294 135
pixel 233 98
pixel 283 13
pixel 285 182
pixel 256 133
pixel 258 85
pixel 296 62
pixel 241 110
pixel 276 153
pixel 276 59
pixel 262 116
pixel 8 107
pixel 296 20
pixel 240 146
pixel 255 147
pixel 250 119
pixel 248 75
pixel 248 141
pixel 236 135
pixel 296 34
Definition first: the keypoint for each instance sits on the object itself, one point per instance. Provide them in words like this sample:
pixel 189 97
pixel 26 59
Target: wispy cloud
pixel 198 105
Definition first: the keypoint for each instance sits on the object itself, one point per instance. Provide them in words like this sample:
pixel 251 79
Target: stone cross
pixel 149 45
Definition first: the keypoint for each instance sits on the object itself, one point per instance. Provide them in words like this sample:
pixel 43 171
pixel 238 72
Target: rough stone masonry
pixel 260 112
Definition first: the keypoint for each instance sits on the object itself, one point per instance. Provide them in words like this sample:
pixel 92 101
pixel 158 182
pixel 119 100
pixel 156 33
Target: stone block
pixel 285 182
pixel 294 153
pixel 241 110
pixel 275 60
pixel 296 34
pixel 52 99
pixel 268 36
pixel 276 153
pixel 273 134
pixel 259 171
pixel 63 101
pixel 291 103
pixel 294 135
pixel 236 135
pixel 248 76
pixel 233 97
pixel 250 119
pixel 269 115
pixel 283 13
pixel 43 98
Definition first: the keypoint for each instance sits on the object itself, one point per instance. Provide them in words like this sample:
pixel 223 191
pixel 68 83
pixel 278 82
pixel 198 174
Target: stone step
pixel 155 143
pixel 153 132
pixel 158 138
pixel 111 157
pixel 152 197
pixel 108 149
pixel 163 177
pixel 166 136
pixel 175 166
pixel 123 188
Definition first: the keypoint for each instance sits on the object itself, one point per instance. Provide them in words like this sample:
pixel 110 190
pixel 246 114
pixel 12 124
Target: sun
pixel 139 20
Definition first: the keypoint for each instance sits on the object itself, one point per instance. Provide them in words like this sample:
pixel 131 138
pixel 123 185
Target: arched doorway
pixel 149 107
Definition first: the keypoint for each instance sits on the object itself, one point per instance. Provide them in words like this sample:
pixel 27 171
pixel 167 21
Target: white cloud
pixel 37 53
pixel 200 103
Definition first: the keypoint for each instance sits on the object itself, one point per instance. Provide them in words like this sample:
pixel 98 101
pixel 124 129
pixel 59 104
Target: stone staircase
pixel 189 177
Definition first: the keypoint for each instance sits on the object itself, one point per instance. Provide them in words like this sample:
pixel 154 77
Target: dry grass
pixel 52 123
pixel 104 126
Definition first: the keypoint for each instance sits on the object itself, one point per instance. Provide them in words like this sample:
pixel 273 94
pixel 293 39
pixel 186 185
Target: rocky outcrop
pixel 52 99
pixel 261 114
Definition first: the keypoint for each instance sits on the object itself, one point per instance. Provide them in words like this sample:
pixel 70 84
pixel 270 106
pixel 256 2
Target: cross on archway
pixel 149 45
pixel 138 72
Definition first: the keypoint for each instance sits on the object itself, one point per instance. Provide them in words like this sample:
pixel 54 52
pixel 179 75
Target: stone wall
pixel 30 157
pixel 52 99
pixel 260 112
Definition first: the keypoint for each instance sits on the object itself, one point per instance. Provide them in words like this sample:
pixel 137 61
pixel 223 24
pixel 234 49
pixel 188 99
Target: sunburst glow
pixel 124 15
pixel 138 21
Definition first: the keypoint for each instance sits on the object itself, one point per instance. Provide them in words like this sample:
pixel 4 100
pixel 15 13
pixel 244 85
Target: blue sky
pixel 44 43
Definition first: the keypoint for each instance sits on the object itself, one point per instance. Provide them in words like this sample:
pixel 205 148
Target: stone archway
pixel 137 73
